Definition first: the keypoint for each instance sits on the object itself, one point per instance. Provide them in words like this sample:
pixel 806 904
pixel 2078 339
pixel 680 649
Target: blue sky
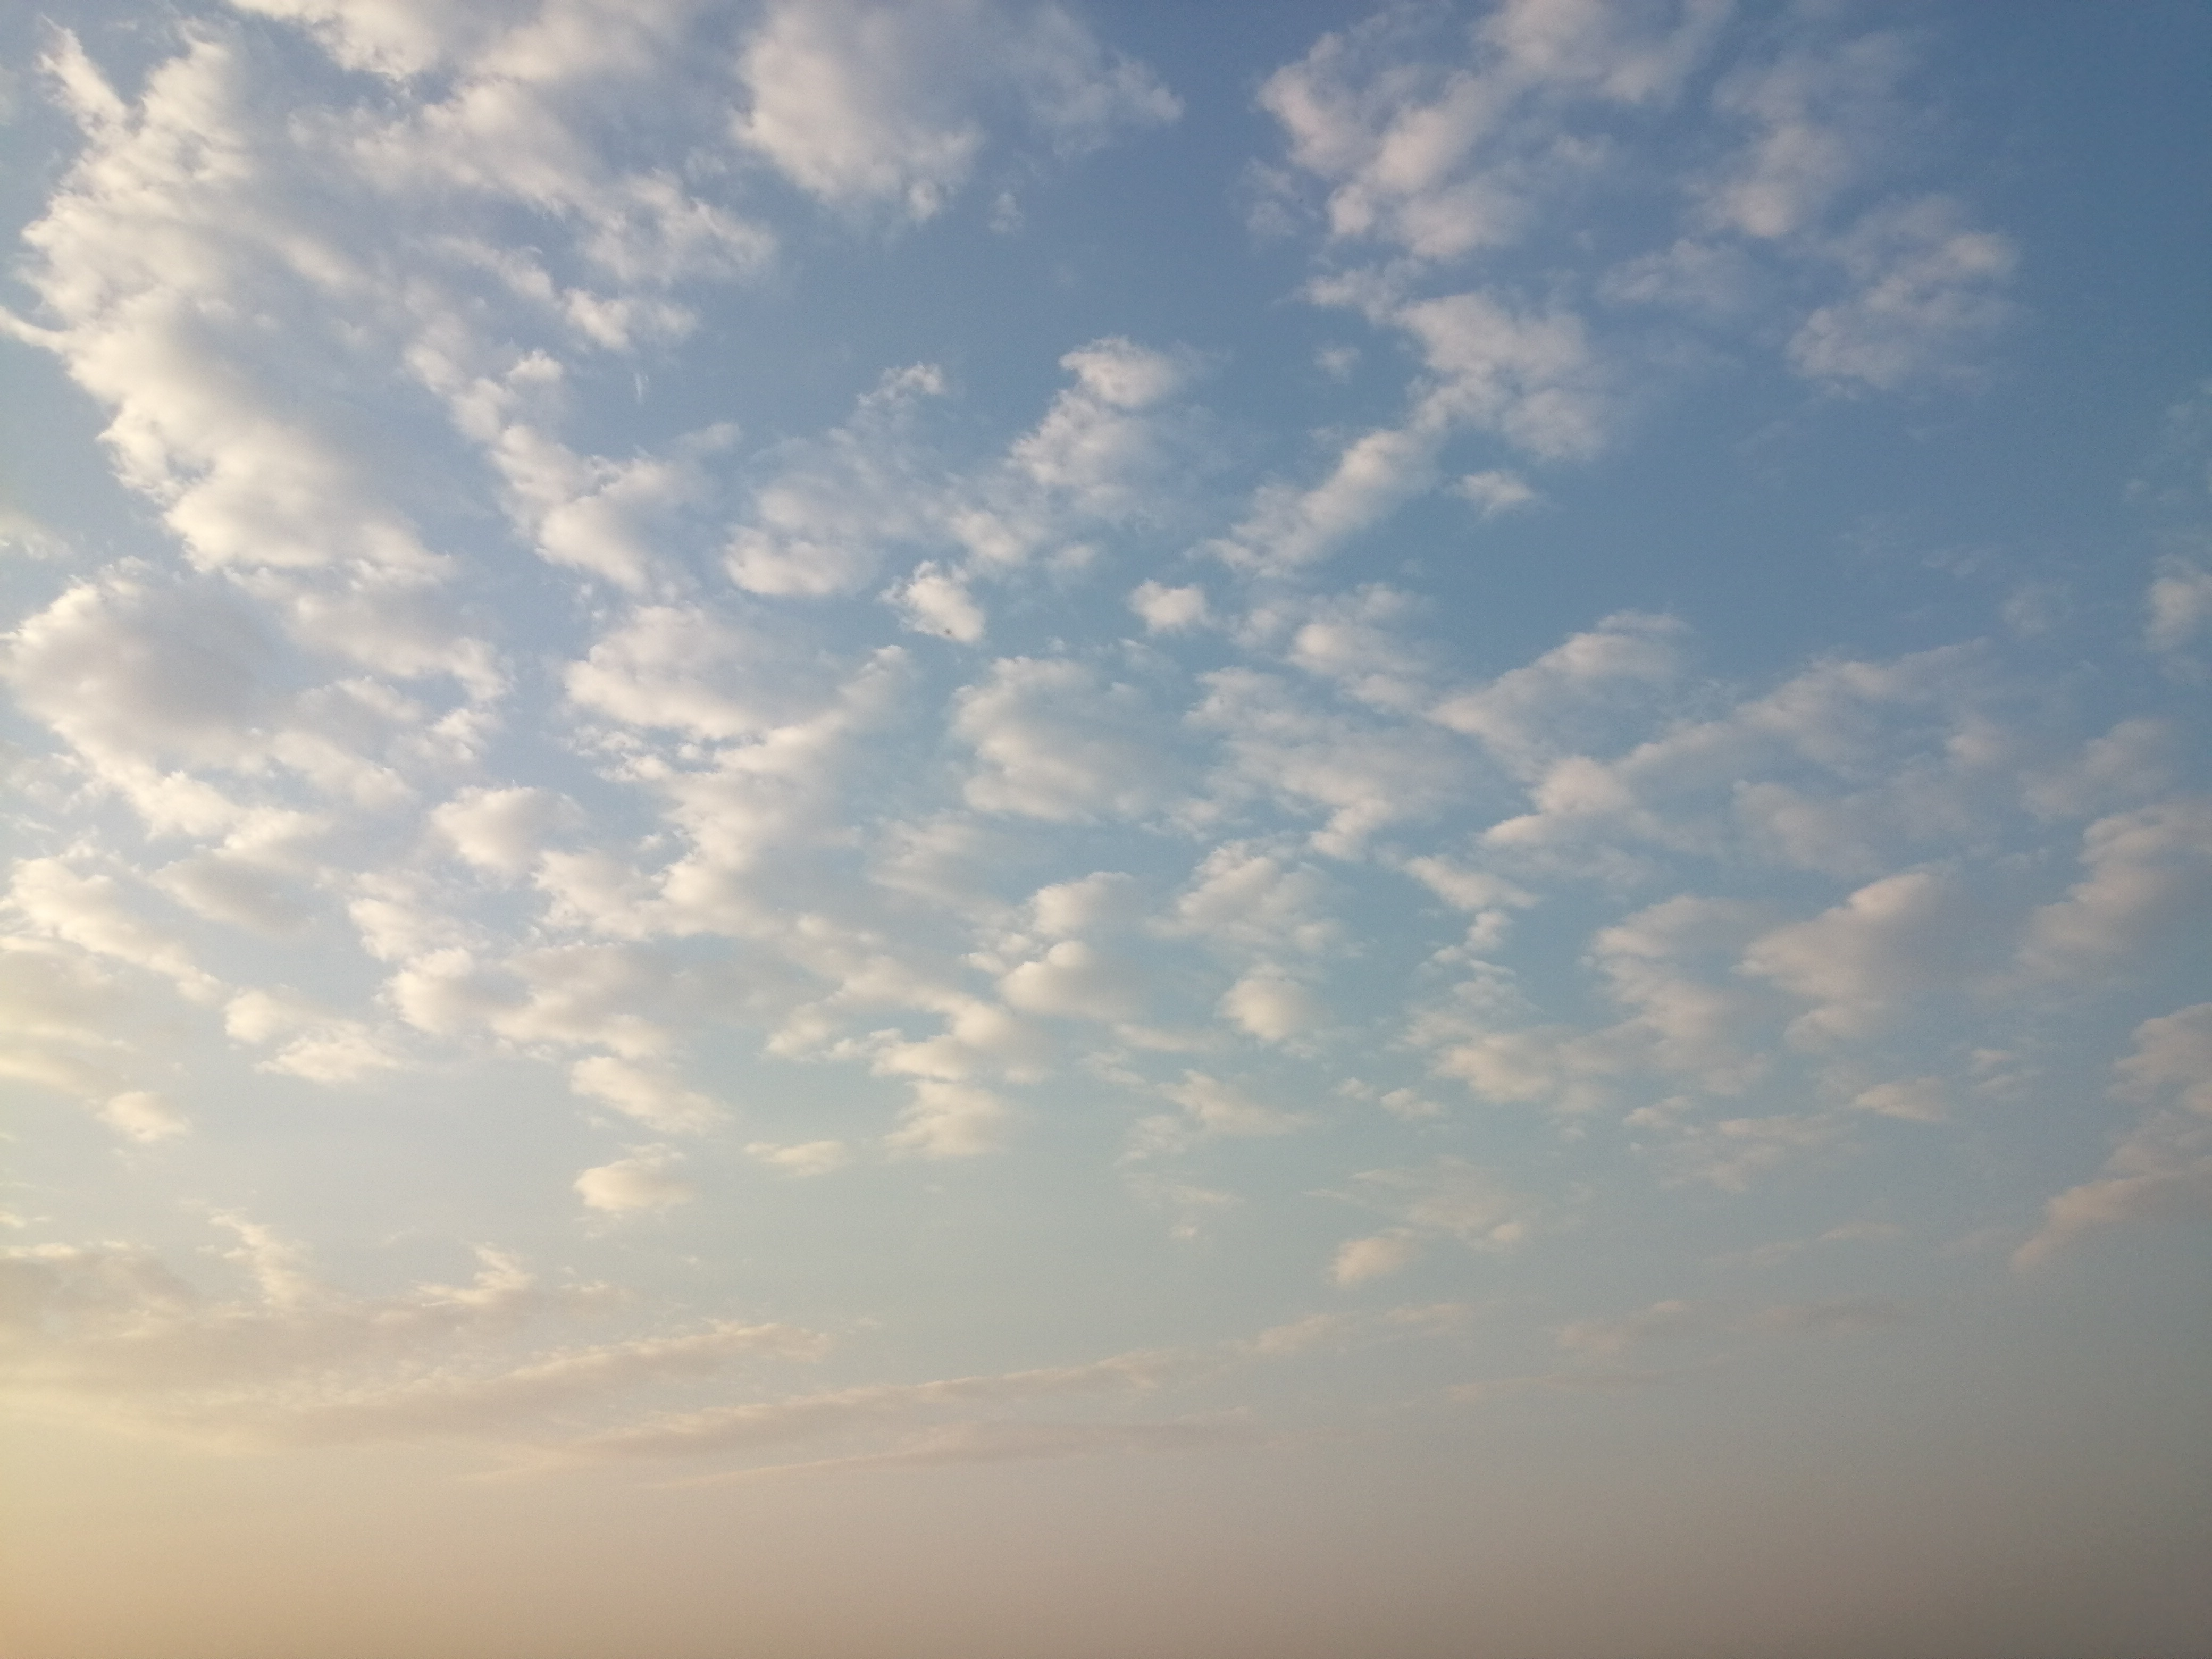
pixel 1129 828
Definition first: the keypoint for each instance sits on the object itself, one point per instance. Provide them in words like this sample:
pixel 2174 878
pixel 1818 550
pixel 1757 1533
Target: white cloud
pixel 801 1159
pixel 869 106
pixel 1055 740
pixel 1075 978
pixel 1611 1339
pixel 2173 1052
pixel 1442 150
pixel 501 830
pixel 117 1339
pixel 950 1120
pixel 2163 1166
pixel 1733 1152
pixel 143 1117
pixel 689 668
pixel 1550 1064
pixel 833 507
pixel 1359 1259
pixel 1926 288
pixel 91 912
pixel 1243 895
pixel 937 601
pixel 1497 491
pixel 1104 898
pixel 2120 1200
pixel 1819 118
pixel 1170 609
pixel 1355 641
pixel 2179 606
pixel 1449 1197
pixel 1573 694
pixel 252 882
pixel 1531 377
pixel 607 519
pixel 1892 746
pixel 1222 1108
pixel 1477 890
pixel 69 1022
pixel 397 38
pixel 162 688
pixel 1112 447
pixel 1273 1007
pixel 651 1094
pixel 640 1182
pixel 1704 1023
pixel 1375 474
pixel 720 1428
pixel 1887 945
pixel 333 1051
pixel 1917 1100
pixel 2148 888
pixel 1365 775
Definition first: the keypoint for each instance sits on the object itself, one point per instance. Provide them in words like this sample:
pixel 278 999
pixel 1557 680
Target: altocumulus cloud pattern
pixel 967 827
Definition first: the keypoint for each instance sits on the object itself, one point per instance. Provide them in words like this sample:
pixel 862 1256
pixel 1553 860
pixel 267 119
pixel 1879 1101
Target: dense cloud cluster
pixel 775 757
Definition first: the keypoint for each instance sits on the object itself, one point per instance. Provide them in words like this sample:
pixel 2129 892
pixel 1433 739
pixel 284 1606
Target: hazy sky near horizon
pixel 1001 829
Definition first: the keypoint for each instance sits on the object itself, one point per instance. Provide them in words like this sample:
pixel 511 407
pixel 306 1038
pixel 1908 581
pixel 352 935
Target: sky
pixel 838 830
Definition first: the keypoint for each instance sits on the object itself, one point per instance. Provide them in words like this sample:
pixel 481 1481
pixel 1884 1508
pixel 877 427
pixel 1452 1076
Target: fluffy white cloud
pixel 1926 286
pixel 651 1094
pixel 1170 609
pixel 1359 1259
pixel 2148 887
pixel 937 601
pixel 256 880
pixel 832 507
pixel 1497 491
pixel 1890 943
pixel 67 1019
pixel 1573 695
pixel 1919 1099
pixel 607 519
pixel 163 689
pixel 1363 775
pixel 1244 894
pixel 142 1115
pixel 1375 474
pixel 950 1119
pixel 2179 606
pixel 1112 447
pixel 500 830
pixel 2173 1052
pixel 871 106
pixel 1075 978
pixel 1671 963
pixel 1451 1198
pixel 1222 1108
pixel 2142 1188
pixel 640 1182
pixel 689 668
pixel 1439 149
pixel 1816 119
pixel 1358 642
pixel 1531 377
pixel 91 912
pixel 1273 1007
pixel 1054 739
pixel 1104 898
pixel 801 1159
pixel 2162 1167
